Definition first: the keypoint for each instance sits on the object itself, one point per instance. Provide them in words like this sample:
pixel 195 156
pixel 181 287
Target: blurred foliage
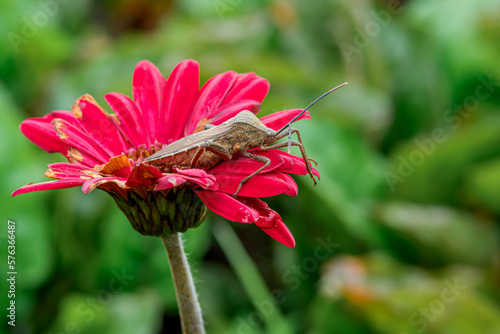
pixel 401 234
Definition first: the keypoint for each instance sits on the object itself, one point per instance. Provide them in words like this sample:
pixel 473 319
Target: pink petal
pixel 293 190
pixel 129 117
pixel 100 127
pixel 193 172
pixel 246 166
pixel 147 87
pixel 97 182
pixel 64 170
pixel 315 172
pixel 261 185
pixel 67 167
pixel 279 119
pixel 79 139
pixel 179 98
pixel 75 155
pixel 68 116
pixel 82 158
pixel 227 206
pixel 211 95
pixel 59 184
pixel 270 222
pixel 294 164
pixel 290 162
pixel 199 177
pixel 233 109
pixel 248 86
pixel 169 181
pixel 44 135
pixel 143 175
pixel 280 233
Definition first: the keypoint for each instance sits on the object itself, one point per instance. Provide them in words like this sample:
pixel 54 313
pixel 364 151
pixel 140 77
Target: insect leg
pixel 212 147
pixel 260 158
pixel 219 150
pixel 303 150
pixel 197 155
pixel 294 143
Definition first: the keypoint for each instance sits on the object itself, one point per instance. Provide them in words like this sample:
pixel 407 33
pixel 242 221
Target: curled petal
pixel 261 185
pixel 90 185
pixel 228 207
pixel 143 175
pixel 50 185
pixel 270 222
pixel 279 119
pixel 169 181
pixel 117 166
pixel 200 177
pixel 193 172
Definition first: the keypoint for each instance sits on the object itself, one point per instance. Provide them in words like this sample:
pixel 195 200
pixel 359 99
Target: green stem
pixel 187 300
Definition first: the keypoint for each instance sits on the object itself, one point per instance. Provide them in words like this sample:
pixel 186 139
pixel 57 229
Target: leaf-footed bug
pixel 237 135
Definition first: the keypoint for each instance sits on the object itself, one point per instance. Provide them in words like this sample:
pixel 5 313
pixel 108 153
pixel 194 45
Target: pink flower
pixel 106 151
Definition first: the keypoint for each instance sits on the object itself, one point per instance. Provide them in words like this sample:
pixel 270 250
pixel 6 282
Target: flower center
pixel 122 164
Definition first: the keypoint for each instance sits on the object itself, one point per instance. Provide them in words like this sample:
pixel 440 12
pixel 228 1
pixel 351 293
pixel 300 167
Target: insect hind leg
pixel 215 148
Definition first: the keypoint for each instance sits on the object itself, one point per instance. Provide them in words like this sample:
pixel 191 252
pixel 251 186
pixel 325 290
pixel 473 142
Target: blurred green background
pixel 401 235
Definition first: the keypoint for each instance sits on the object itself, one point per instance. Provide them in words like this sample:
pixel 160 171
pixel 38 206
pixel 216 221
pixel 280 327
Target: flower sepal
pixel 157 213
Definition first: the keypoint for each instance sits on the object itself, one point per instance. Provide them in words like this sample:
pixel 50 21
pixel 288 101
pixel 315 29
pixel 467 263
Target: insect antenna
pixel 309 106
pixel 303 111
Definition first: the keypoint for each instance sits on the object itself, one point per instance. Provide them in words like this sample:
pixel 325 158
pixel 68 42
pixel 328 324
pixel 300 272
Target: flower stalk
pixel 187 299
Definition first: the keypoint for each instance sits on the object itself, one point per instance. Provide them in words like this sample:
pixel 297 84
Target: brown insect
pixel 235 136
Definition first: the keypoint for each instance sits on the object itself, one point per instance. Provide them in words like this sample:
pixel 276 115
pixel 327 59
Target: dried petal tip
pixel 163 212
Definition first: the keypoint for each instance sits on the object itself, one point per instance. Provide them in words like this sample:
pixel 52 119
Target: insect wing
pixel 189 142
